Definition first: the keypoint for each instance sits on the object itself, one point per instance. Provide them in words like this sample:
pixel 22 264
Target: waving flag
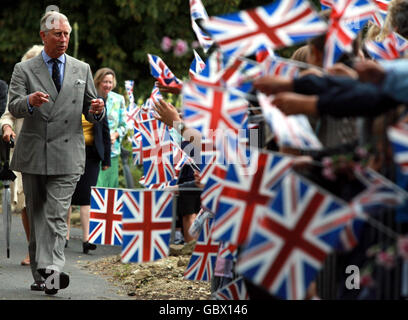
pixel 208 105
pixel 105 218
pixel 381 12
pixel 326 4
pixel 235 290
pixel 279 67
pixel 161 72
pixel 293 238
pixel 202 261
pixel 137 150
pixel 228 251
pixel 347 19
pixel 157 153
pixel 147 217
pixel 207 109
pixel 280 24
pixel 398 136
pixel 197 65
pixel 293 131
pixel 393 47
pixel 263 53
pixel 246 192
pixel 132 107
pixel 198 12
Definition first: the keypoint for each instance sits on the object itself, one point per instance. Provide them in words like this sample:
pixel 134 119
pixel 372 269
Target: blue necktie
pixel 56 74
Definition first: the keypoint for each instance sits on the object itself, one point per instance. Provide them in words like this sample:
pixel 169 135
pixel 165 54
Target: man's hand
pixel 97 106
pixel 167 89
pixel 8 133
pixel 340 69
pixel 370 71
pixel 37 98
pixel 167 112
pixel 293 103
pixel 273 84
pixel 105 168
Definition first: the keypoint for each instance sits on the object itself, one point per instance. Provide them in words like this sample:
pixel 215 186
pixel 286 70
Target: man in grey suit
pixel 51 91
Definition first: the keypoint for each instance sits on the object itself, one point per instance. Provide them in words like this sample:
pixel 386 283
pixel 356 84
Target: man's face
pixel 56 40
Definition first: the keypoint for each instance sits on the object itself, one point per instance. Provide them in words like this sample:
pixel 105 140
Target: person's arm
pixel 93 107
pixel 170 116
pixel 19 99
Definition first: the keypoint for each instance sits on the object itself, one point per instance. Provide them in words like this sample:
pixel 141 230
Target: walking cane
pixel 7 176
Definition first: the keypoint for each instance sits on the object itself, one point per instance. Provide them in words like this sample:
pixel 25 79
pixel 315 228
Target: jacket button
pixel 66 140
pixel 73 101
pixel 49 140
pixel 66 121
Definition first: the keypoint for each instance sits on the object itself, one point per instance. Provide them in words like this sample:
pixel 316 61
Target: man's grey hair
pixel 51 20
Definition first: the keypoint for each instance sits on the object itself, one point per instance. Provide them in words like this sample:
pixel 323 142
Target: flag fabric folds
pixel 202 261
pixel 147 218
pixel 105 218
pixel 279 24
pixel 347 19
pixel 293 238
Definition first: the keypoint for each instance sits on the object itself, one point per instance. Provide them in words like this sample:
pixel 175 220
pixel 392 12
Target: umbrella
pixel 6 175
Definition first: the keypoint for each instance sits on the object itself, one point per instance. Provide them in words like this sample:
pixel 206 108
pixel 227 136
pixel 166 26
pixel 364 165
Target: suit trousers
pixel 47 200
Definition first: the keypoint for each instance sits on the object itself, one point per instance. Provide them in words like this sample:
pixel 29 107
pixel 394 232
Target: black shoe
pixel 86 246
pixel 66 243
pixel 38 286
pixel 55 284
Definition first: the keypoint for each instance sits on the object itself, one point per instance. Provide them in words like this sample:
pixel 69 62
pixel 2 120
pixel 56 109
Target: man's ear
pixel 42 35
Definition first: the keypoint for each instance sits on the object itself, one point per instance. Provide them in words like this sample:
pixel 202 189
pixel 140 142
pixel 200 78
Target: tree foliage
pixel 116 34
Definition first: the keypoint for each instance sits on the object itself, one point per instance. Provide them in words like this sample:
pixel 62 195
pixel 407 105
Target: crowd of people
pixel 69 125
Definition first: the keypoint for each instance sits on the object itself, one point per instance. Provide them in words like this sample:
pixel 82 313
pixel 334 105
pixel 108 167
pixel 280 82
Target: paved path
pixel 15 279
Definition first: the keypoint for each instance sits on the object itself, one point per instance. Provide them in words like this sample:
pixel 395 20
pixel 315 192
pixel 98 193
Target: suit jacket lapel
pixel 70 73
pixel 41 71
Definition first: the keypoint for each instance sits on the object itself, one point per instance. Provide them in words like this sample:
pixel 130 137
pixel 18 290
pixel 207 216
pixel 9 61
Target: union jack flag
pixel 398 136
pixel 235 290
pixel 197 65
pixel 393 47
pixel 129 89
pixel 326 4
pixel 209 109
pixel 228 251
pixel 293 131
pixel 198 12
pixel 381 12
pixel 105 218
pixel 280 24
pixel 147 218
pixel 293 238
pixel 157 153
pixel 246 191
pixel 161 72
pixel 347 18
pixel 202 261
pixel 137 147
pixel 213 187
pixel 263 53
pixel 279 67
pixel 155 96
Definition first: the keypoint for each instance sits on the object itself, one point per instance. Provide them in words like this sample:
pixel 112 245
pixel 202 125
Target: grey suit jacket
pixel 51 141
